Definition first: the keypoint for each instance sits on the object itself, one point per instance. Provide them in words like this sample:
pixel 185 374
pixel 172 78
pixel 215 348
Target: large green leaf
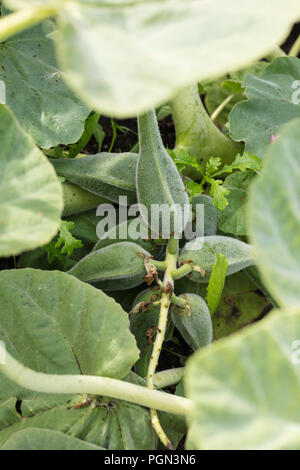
pixel 272 103
pixel 239 388
pixel 53 323
pixel 150 49
pixel 30 193
pixel 104 174
pixel 274 217
pixel 159 183
pixel 36 92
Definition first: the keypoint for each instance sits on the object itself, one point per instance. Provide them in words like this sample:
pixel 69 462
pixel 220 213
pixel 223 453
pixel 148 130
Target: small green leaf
pixel 66 242
pixel 202 252
pixel 213 165
pixel 115 267
pixel 216 283
pixel 244 162
pixel 238 386
pixel 218 193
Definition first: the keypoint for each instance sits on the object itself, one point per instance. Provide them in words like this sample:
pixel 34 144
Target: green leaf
pixel 213 165
pixel 161 46
pixel 165 187
pixel 239 385
pixel 272 103
pixel 274 217
pixel 244 162
pixel 218 193
pixel 115 267
pixel 44 439
pixel 216 283
pixel 233 219
pixel 85 225
pixel 193 322
pixel 105 174
pixel 36 92
pixel 62 326
pixel 89 128
pixel 30 193
pixel 66 242
pixel 202 251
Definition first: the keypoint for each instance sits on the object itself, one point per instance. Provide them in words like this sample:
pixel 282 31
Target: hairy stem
pixel 195 131
pixel 68 384
pixel 168 286
pixel 24 19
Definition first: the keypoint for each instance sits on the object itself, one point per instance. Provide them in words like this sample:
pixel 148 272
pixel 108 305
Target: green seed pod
pixel 77 200
pixel 164 189
pixel 201 252
pixel 143 325
pixel 210 213
pixel 115 267
pixel 116 231
pixel 194 321
pixel 105 174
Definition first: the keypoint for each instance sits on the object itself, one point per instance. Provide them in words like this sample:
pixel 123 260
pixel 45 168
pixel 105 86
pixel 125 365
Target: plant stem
pixel 168 284
pixel 295 48
pixel 220 108
pixel 68 384
pixel 195 131
pixel 24 19
pixel 278 52
pixel 168 377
